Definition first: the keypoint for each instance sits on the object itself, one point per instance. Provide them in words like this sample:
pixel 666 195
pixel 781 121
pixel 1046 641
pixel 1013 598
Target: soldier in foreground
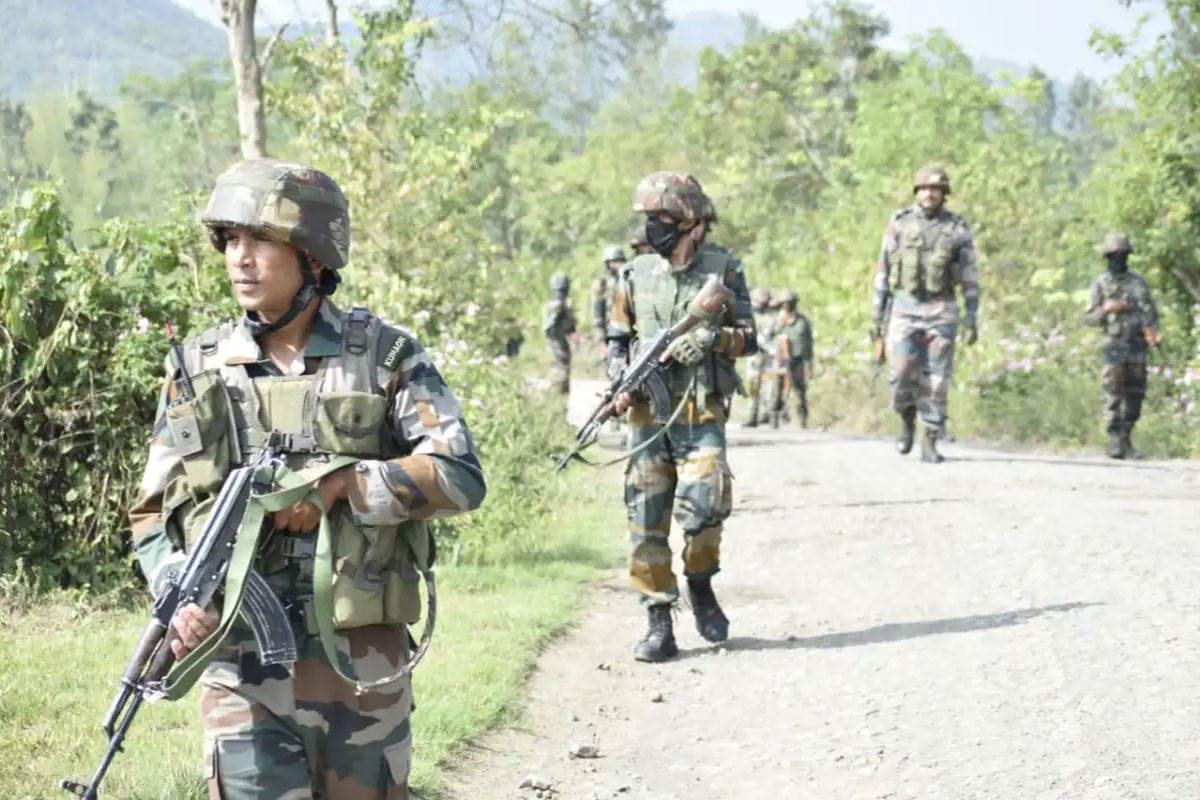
pixel 604 290
pixel 759 364
pixel 558 323
pixel 1120 304
pixel 794 352
pixel 298 377
pixel 683 466
pixel 927 253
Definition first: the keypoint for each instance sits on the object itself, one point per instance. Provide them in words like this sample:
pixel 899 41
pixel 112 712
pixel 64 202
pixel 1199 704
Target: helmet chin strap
pixel 300 302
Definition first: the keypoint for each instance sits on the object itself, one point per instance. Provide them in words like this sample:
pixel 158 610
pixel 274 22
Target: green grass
pixel 60 659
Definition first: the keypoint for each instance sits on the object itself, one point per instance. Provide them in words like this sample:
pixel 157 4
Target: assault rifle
pixel 200 579
pixel 647 372
pixel 879 342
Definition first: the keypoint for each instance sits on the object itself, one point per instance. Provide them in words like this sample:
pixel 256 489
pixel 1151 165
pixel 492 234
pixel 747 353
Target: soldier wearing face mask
pixel 1121 306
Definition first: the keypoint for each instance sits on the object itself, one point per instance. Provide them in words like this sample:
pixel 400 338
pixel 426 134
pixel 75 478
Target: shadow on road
pixel 893 631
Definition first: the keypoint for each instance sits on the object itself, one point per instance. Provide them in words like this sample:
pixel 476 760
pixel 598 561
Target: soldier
pixel 296 376
pixel 604 289
pixel 927 252
pixel 683 466
pixel 763 359
pixel 794 342
pixel 558 323
pixel 638 243
pixel 1121 306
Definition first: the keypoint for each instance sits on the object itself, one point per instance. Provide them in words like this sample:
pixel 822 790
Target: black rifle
pixel 879 341
pixel 200 579
pixel 648 371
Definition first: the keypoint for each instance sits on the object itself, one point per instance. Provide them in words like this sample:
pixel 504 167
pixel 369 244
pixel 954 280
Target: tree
pixel 238 17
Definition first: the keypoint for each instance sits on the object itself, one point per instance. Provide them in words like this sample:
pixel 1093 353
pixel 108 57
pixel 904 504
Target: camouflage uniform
pixel 684 472
pixel 558 323
pixel 604 290
pixel 763 359
pixel 794 328
pixel 924 257
pixel 1123 376
pixel 359 388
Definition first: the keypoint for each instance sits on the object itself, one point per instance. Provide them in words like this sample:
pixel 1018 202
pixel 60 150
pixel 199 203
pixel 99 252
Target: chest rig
pixel 924 259
pixel 339 411
pixel 660 299
pixel 1126 325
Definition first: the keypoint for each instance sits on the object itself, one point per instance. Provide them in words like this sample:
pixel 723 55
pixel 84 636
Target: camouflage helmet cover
pixel 1115 242
pixel 932 176
pixel 559 282
pixel 288 202
pixel 613 253
pixel 760 297
pixel 677 193
pixel 785 296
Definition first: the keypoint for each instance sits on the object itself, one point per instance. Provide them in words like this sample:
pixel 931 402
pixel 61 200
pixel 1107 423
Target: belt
pixel 298 548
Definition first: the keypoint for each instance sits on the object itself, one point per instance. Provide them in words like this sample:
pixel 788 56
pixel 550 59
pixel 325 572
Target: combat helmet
pixel 1115 242
pixel 560 283
pixel 677 193
pixel 760 298
pixel 785 297
pixel 285 201
pixel 613 253
pixel 638 239
pixel 932 176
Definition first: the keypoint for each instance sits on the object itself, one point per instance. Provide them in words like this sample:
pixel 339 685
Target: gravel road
pixel 1003 625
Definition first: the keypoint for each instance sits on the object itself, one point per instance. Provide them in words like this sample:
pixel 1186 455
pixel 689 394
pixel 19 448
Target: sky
pixel 1050 33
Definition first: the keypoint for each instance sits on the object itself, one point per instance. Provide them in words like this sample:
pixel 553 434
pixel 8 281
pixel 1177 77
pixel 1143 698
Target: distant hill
pixel 67 45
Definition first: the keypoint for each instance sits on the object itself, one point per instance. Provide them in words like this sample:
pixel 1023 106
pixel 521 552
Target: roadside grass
pixel 61 657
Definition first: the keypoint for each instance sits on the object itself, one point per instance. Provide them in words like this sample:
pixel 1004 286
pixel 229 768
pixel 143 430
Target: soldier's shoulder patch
pixel 395 344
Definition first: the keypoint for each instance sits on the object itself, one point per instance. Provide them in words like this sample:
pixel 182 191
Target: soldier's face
pixel 613 266
pixel 930 197
pixel 265 273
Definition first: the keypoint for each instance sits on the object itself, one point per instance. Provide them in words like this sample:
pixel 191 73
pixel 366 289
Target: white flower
pixel 472 309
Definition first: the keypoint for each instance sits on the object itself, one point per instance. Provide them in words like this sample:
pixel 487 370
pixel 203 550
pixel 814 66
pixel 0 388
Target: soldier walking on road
pixel 794 352
pixel 1121 306
pixel 927 253
pixel 558 323
pixel 758 366
pixel 296 377
pixel 681 467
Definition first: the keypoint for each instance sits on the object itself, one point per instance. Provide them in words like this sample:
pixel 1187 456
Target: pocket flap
pixel 354 413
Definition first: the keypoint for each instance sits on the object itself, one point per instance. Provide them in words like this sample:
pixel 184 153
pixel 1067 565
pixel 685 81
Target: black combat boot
pixel 1116 445
pixel 659 642
pixel 711 621
pixel 752 422
pixel 908 430
pixel 929 453
pixel 1127 448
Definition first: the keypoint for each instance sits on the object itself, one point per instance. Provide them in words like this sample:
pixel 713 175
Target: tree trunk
pixel 331 28
pixel 238 16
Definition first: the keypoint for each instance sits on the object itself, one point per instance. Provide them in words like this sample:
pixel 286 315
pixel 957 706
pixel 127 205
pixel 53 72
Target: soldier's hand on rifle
pixel 971 335
pixel 192 625
pixel 621 403
pixel 690 348
pixel 1115 306
pixel 1152 336
pixel 305 516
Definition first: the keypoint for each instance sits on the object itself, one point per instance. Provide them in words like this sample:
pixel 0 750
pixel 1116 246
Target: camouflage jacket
pixel 798 333
pixel 435 473
pixel 1122 326
pixel 764 325
pixel 922 260
pixel 558 320
pixel 604 292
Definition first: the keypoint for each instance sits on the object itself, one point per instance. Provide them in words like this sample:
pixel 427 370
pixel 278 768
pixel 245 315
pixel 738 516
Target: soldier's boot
pixel 929 453
pixel 752 422
pixel 1127 447
pixel 908 430
pixel 711 621
pixel 659 642
pixel 1116 445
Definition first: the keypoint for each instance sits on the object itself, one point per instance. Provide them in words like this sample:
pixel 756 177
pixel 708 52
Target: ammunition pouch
pixel 203 432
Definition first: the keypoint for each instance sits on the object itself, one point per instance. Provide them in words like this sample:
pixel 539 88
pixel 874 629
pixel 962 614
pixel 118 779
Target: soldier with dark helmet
pixel 927 254
pixel 1120 304
pixel 558 324
pixel 680 467
pixel 794 351
pixel 762 362
pixel 357 410
pixel 604 289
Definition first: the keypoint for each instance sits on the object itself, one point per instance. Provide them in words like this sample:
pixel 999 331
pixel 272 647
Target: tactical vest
pixel 1126 324
pixel 660 299
pixel 339 411
pixel 923 263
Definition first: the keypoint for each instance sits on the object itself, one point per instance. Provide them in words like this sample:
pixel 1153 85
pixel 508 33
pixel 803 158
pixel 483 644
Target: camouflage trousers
pixel 560 371
pixel 798 373
pixel 683 473
pixel 1123 384
pixel 271 733
pixel 922 359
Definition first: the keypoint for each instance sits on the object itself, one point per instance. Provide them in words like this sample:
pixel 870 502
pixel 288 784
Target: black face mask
pixel 662 236
pixel 1117 263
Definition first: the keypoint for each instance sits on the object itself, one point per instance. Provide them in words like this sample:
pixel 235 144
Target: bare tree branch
pixel 266 54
